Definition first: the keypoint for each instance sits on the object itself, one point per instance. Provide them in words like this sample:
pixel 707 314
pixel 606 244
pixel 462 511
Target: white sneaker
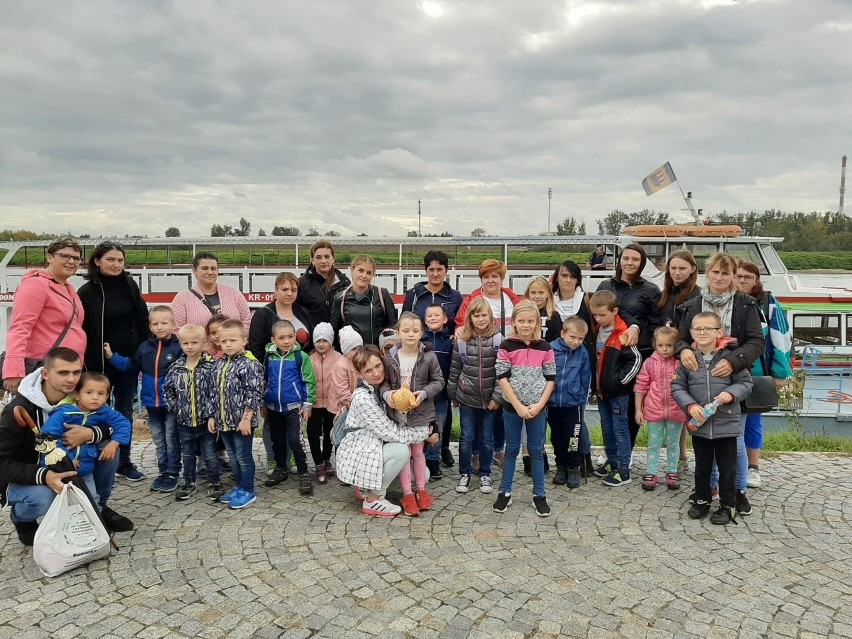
pixel 380 508
pixel 486 485
pixel 464 484
pixel 753 479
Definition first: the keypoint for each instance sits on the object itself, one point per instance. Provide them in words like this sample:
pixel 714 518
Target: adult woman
pixel 740 318
pixel 208 296
pixel 774 361
pixel 321 282
pixel 371 456
pixel 47 313
pixel 638 306
pixel 366 308
pixel 115 314
pixel 680 285
pixel 571 299
pixel 283 307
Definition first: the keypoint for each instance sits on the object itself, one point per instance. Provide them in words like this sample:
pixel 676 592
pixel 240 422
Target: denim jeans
pixel 29 502
pixel 123 393
pixel 742 461
pixel 193 441
pixel 442 404
pixel 499 432
pixel 240 451
pixel 616 432
pixel 536 428
pixel 473 420
pixel 164 432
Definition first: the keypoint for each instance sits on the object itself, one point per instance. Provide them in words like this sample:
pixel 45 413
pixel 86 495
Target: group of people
pixel 330 346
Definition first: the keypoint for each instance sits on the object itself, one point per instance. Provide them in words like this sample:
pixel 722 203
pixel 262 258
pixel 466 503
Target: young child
pixel 88 408
pixel 617 368
pixel 715 438
pixel 213 347
pixel 438 336
pixel 656 406
pixel 344 377
pixel 472 386
pixel 414 365
pixel 321 420
pixel 188 391
pixel 288 400
pixel 387 340
pixel 526 371
pixel 239 395
pixel 152 359
pixel 568 400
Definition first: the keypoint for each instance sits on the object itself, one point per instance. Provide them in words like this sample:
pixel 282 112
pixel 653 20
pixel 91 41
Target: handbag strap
pixel 68 325
pixel 204 301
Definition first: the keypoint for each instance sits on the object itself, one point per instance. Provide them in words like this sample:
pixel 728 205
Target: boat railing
pixel 827 386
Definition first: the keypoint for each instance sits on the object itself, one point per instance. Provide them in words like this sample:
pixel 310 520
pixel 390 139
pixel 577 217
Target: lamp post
pixel 549 197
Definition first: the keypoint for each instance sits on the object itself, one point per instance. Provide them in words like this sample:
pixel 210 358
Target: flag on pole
pixel 659 179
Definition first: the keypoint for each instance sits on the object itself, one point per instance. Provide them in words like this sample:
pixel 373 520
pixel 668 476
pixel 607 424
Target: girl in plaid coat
pixel 372 455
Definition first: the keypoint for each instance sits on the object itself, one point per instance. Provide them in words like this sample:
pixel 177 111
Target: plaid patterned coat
pixel 359 457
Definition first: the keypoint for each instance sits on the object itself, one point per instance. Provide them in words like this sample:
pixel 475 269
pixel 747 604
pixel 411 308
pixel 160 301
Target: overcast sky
pixel 130 117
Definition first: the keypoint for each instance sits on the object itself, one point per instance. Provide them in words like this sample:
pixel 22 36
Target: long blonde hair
pixel 549 305
pixel 477 305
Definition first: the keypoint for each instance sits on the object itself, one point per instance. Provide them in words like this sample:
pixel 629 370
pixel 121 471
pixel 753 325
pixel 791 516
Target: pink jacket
pixel 323 365
pixel 188 309
pixel 655 383
pixel 40 312
pixel 344 379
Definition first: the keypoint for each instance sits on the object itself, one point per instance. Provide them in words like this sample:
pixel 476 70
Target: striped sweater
pixel 528 367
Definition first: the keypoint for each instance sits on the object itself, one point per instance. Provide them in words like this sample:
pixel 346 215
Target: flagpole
pixel 687 197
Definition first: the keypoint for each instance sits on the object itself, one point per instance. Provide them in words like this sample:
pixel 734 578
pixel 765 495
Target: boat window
pixel 656 254
pixel 849 330
pixel 773 259
pixel 817 329
pixel 700 252
pixel 748 252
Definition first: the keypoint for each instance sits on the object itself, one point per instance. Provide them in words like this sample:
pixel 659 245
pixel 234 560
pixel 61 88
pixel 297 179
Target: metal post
pixel 419 229
pixel 549 197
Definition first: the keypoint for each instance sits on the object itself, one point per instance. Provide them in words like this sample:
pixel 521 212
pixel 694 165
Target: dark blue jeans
pixel 193 440
pixel 473 421
pixel 241 452
pixel 164 432
pixel 536 429
pixel 442 404
pixel 499 431
pixel 123 393
pixel 616 432
pixel 286 429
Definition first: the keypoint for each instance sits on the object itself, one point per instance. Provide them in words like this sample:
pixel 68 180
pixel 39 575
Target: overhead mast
pixel 842 183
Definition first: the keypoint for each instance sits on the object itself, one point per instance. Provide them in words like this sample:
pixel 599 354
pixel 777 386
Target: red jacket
pixel 478 293
pixel 655 383
pixel 40 312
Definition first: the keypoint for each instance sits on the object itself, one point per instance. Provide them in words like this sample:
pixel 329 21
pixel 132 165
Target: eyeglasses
pixel 76 259
pixel 700 330
pixel 746 278
pixel 110 246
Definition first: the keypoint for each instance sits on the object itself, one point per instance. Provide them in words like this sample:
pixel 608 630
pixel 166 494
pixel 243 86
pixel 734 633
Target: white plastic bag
pixel 70 535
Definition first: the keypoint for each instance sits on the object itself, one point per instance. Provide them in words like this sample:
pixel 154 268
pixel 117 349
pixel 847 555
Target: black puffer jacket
pixel 746 328
pixel 368 313
pixel 637 304
pixel 92 296
pixel 669 313
pixel 312 296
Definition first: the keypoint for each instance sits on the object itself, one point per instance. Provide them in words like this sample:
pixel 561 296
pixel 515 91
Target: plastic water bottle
pixel 709 410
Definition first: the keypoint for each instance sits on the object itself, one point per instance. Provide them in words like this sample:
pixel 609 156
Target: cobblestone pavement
pixel 610 562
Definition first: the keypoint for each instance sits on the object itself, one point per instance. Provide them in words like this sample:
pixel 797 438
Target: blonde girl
pixel 539 292
pixel 526 370
pixel 473 387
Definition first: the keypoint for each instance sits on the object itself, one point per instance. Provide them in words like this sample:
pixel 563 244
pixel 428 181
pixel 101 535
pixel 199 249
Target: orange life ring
pixel 655 230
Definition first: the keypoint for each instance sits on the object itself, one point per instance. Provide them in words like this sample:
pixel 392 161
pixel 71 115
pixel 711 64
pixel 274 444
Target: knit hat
pixel 349 339
pixel 387 335
pixel 323 330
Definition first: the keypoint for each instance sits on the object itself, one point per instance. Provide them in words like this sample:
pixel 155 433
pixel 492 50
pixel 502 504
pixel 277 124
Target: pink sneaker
pixel 649 482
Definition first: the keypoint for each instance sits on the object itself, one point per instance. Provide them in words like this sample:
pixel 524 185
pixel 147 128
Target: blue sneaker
pixel 242 500
pixel 130 473
pixel 228 496
pixel 157 484
pixel 170 482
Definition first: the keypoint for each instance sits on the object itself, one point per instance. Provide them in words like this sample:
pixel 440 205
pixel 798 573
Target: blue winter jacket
pixel 152 359
pixel 87 454
pixel 442 345
pixel 289 384
pixel 573 375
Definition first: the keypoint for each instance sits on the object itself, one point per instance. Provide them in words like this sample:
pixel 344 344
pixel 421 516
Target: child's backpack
pixel 498 339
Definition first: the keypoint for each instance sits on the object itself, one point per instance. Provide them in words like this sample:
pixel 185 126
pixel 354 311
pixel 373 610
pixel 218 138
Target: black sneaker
pixel 447 458
pixel 185 491
pixel 278 475
pixel 542 509
pixel 130 473
pixel 572 478
pixel 724 516
pixel 306 484
pixel 214 491
pixel 504 500
pixel 743 504
pixel 26 531
pixel 561 476
pixel 603 470
pixel 434 467
pixel 116 522
pixel 699 510
pixel 617 478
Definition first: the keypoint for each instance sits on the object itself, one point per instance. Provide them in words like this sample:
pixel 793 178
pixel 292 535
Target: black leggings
pixel 285 429
pixel 320 423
